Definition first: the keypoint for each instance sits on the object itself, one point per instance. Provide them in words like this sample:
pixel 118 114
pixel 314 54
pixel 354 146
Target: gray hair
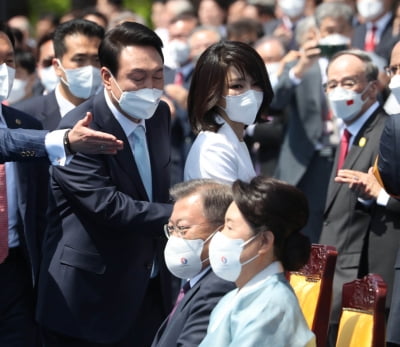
pixel 371 70
pixel 333 10
pixel 216 197
pixel 303 26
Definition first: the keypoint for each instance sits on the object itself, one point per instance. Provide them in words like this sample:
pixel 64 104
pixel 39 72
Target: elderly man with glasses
pixel 360 218
pixel 199 209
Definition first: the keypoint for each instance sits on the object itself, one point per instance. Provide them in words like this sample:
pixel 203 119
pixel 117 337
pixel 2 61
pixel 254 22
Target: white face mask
pixel 292 8
pixel 48 78
pixel 370 9
pixel 346 104
pixel 183 256
pixel 243 108
pixel 179 51
pixel 225 255
pixel 139 104
pixel 18 90
pixel 394 86
pixel 6 80
pixel 82 82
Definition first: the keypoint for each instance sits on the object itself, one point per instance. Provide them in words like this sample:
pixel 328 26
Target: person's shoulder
pixel 28 104
pixel 214 284
pixel 20 118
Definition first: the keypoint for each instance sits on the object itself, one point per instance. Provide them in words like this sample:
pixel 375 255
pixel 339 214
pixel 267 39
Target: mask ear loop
pixel 116 83
pixel 206 240
pixel 63 70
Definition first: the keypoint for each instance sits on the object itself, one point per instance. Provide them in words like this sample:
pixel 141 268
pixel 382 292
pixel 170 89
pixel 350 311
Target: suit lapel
pixel 51 112
pixel 360 140
pixel 124 158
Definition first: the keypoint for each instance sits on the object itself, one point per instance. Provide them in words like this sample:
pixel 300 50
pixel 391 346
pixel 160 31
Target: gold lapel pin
pixel 18 121
pixel 362 142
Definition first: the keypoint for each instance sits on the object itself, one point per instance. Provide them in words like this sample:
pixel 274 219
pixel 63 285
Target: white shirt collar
pixel 198 277
pixel 127 125
pixel 64 105
pixel 380 24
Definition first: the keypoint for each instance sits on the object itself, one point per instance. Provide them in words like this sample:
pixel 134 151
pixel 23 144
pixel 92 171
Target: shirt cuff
pixel 383 198
pixel 295 80
pixel 55 148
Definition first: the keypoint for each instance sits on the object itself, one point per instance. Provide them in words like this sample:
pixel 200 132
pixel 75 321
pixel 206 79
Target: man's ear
pixel 57 67
pixel 106 76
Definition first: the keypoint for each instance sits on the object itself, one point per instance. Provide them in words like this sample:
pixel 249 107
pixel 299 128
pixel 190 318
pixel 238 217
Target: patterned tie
pixel 142 159
pixel 3 215
pixel 344 148
pixel 181 294
pixel 370 39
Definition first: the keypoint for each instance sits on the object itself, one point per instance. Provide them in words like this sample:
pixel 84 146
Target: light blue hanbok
pixel 264 312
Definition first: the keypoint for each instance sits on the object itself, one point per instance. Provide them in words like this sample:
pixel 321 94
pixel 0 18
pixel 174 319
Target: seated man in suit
pixel 199 209
pixel 103 278
pixel 76 63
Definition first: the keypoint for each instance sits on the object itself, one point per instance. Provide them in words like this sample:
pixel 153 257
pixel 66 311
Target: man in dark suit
pixel 387 172
pixel 199 209
pixel 76 44
pixel 308 146
pixel 24 188
pixel 360 219
pixel 103 280
pixel 375 33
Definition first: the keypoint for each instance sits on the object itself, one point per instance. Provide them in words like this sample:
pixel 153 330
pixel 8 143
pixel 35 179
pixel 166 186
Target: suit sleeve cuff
pixel 55 148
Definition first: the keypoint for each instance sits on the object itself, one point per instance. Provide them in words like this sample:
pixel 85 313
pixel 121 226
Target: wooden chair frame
pixel 320 267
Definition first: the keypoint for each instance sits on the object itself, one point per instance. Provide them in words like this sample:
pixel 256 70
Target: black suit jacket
pixel 103 233
pixel 188 326
pixel 44 108
pixel 349 224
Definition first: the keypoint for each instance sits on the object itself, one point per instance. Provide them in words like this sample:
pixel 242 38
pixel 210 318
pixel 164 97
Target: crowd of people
pixel 160 178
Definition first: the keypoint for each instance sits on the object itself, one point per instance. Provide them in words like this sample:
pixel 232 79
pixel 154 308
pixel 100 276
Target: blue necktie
pixel 142 159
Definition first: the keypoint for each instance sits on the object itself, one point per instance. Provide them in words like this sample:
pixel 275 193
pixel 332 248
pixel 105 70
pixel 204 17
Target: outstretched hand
pixel 85 140
pixel 364 184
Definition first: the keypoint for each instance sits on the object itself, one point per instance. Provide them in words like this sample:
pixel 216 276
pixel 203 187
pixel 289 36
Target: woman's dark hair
pixel 269 204
pixel 210 78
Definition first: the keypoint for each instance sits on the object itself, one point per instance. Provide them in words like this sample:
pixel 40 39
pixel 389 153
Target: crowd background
pixel 298 136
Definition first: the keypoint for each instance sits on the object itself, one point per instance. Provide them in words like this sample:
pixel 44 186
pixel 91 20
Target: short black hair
pixel 123 35
pixel 71 27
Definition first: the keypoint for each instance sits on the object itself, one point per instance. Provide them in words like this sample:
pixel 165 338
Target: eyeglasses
pixel 392 70
pixel 346 83
pixel 180 230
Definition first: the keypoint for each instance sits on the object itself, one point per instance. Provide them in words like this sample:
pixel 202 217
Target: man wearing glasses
pixel 360 218
pixel 198 211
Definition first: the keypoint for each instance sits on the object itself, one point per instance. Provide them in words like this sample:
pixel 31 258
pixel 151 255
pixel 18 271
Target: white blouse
pixel 220 156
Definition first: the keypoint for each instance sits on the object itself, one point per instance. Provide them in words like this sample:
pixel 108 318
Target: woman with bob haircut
pixel 260 240
pixel 230 89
